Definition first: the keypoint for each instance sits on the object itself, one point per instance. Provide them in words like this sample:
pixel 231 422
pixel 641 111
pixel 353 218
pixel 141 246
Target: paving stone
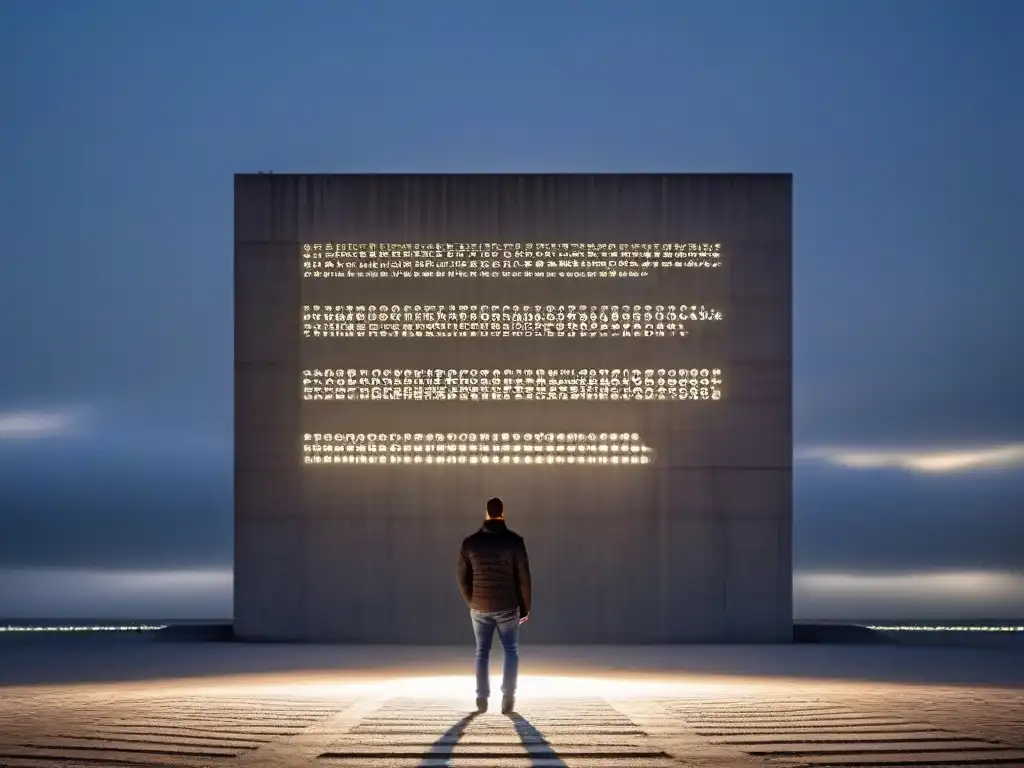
pixel 256 722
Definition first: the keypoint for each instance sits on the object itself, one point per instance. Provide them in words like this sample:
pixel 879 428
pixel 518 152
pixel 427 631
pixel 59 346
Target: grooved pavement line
pixel 75 728
pixel 821 731
pixel 303 748
pixel 279 723
pixel 549 733
pixel 669 732
pixel 994 715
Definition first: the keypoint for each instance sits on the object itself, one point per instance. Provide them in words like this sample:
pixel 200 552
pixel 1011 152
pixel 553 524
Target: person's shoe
pixel 481 705
pixel 508 704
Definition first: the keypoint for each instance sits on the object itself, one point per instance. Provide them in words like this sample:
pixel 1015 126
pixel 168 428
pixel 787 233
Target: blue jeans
pixel 507 624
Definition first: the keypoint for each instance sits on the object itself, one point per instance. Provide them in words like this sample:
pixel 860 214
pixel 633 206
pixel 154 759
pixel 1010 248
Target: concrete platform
pixel 104 702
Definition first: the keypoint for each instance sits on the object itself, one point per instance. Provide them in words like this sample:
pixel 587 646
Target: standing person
pixel 494 576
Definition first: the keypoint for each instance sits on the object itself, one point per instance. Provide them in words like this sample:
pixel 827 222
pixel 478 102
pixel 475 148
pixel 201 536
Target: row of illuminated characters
pixel 565 268
pixel 483 331
pixel 446 448
pixel 510 312
pixel 509 260
pixel 447 321
pixel 540 438
pixel 500 377
pixel 575 261
pixel 473 459
pixel 424 384
pixel 473 393
pixel 471 448
pixel 504 250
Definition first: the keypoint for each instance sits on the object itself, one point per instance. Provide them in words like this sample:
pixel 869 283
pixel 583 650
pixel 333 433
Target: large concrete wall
pixel 693 547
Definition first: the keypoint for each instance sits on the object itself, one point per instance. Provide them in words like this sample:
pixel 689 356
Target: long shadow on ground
pixel 530 736
pixel 443 750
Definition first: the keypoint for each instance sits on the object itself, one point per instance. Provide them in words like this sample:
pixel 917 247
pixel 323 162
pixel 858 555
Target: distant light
pixel 90 628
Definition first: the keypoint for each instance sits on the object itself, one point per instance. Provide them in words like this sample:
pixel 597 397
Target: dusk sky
pixel 124 122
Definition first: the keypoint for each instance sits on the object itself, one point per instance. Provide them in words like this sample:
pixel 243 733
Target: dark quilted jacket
pixel 494 570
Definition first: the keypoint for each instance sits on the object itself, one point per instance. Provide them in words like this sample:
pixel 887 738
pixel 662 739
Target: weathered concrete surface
pixel 282 706
pixel 705 532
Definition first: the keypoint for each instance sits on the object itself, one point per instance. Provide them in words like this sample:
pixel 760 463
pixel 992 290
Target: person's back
pixel 494 576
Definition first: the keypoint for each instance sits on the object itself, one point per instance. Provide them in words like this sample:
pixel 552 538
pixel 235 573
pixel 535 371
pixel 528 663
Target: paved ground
pixel 408 707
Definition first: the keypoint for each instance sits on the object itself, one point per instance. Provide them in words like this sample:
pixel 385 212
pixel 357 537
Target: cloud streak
pixel 940 594
pixel 206 593
pixel 136 593
pixel 923 461
pixel 40 424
